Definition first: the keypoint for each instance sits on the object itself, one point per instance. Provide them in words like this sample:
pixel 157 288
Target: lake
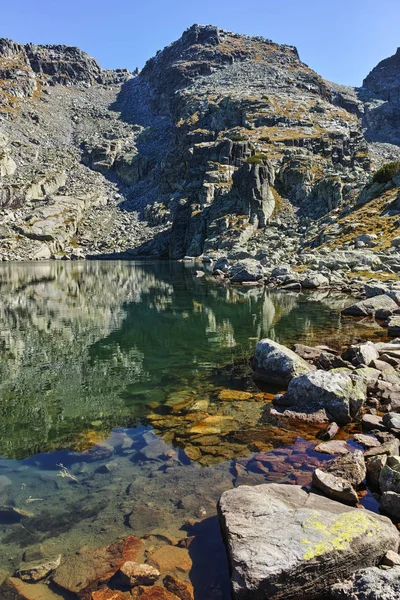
pixel 122 405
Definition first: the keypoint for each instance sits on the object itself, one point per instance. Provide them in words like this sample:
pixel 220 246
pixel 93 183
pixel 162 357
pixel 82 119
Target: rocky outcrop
pixel 274 363
pixel 285 543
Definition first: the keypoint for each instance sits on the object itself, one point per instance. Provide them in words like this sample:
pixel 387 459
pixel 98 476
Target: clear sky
pixel 341 39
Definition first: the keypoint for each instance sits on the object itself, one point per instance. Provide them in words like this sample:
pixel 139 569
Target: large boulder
pixel 247 270
pixel 275 363
pixel 340 394
pixel 381 306
pixel 285 543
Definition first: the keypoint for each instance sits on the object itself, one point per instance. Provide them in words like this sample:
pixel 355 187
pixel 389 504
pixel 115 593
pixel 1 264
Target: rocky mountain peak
pixel 384 79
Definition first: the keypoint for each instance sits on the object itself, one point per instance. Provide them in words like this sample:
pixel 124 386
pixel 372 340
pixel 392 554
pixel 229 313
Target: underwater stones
pixel 107 594
pixel 158 593
pixel 274 363
pixel 336 488
pixel 15 589
pixel 234 395
pixel 171 559
pixel 182 589
pixel 333 447
pixel 35 572
pixel 213 424
pixel 83 573
pixel 284 543
pixel 340 395
pixel 132 574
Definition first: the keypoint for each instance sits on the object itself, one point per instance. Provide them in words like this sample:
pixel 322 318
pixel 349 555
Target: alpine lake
pixel 127 405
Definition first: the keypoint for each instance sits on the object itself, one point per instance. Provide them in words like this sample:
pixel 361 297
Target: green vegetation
pixel 238 137
pixel 386 173
pixel 257 159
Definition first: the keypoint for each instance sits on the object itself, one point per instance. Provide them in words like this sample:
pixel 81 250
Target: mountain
pixel 221 143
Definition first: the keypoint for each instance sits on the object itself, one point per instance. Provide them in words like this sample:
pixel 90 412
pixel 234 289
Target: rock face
pixel 340 395
pixel 275 363
pixel 369 584
pixel 284 543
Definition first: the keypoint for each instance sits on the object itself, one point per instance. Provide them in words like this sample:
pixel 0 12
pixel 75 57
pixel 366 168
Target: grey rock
pixel 246 270
pixel 275 363
pixel 390 505
pixel 350 467
pixel 369 584
pixel 371 306
pixel 285 543
pixel 334 487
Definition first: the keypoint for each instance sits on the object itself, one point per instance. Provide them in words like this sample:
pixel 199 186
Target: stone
pixel 335 392
pixel 329 432
pixel 132 574
pixel 350 467
pixel 157 593
pixel 35 572
pixel 390 504
pixel 16 589
pixel 370 306
pixel 366 353
pixel 171 559
pixel 276 532
pixel 276 364
pixel 391 559
pixel 391 420
pixel 371 422
pixel 246 270
pixel 367 441
pixel 374 466
pixel 394 326
pixel 389 478
pixel 390 447
pixel 181 589
pixel 369 584
pixel 315 281
pixel 334 487
pixel 375 289
pixel 333 447
pixel 83 573
pixel 107 594
pixel 234 395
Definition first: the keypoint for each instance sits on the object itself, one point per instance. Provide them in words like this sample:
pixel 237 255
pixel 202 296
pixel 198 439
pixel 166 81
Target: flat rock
pixel 367 441
pixel 334 487
pixel 16 589
pixel 391 420
pixel 370 306
pixel 82 573
pixel 277 364
pixel 170 559
pixel 333 447
pixel 284 543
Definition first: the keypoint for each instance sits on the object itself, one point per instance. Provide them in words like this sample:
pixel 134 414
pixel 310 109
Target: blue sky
pixel 342 39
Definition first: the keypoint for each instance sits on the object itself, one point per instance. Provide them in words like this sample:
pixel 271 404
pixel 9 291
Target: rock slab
pixel 284 543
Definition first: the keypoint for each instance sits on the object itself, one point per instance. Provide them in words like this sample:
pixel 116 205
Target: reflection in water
pixel 91 347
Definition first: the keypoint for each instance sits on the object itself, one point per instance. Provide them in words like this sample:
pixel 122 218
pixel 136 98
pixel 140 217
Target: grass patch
pixel 386 173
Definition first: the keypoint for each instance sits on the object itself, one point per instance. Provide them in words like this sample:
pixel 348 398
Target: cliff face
pixel 218 136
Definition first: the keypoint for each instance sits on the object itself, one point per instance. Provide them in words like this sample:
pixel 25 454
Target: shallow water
pixel 112 421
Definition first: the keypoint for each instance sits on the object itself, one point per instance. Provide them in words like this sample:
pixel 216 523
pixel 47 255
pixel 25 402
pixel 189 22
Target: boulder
pixel 365 353
pixel 132 574
pixel 314 281
pixel 375 465
pixel 350 467
pixel 390 505
pixel 394 326
pixel 275 363
pixel 389 478
pixel 391 420
pixel 340 395
pixel 285 543
pixel 247 270
pixel 377 304
pixel 333 447
pixel 375 289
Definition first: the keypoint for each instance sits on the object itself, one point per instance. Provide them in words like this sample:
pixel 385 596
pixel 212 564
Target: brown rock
pixel 233 395
pixel 329 433
pixel 333 447
pixel 169 559
pixel 391 559
pixel 83 573
pixel 16 589
pixel 350 467
pixel 133 573
pixel 157 593
pixel 107 594
pixel 181 589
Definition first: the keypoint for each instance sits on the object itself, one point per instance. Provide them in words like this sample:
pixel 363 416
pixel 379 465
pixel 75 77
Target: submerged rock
pixel 275 363
pixel 284 543
pixel 340 395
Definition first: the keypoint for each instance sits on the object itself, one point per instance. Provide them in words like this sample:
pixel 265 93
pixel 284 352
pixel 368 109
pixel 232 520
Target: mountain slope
pixel 221 139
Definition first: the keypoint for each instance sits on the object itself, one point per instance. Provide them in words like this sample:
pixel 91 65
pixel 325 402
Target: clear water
pixel 105 369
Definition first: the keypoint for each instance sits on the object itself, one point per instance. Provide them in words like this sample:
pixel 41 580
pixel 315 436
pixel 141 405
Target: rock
pixel 391 420
pixel 15 589
pixel 107 594
pixel 389 478
pixel 370 422
pixel 276 532
pixel 181 589
pixel 336 392
pixel 366 353
pixel 390 505
pixel 36 572
pixel 329 432
pixel 391 559
pixel 315 281
pixel 375 465
pixel 369 584
pixel 375 289
pixel 275 363
pixel 171 559
pixel 333 447
pixel 371 306
pixel 334 487
pixel 394 326
pixel 82 573
pixel 247 270
pixel 132 574
pixel 157 593
pixel 391 448
pixel 368 441
pixel 350 467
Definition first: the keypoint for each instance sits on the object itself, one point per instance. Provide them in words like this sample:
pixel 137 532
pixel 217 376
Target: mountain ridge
pixel 219 138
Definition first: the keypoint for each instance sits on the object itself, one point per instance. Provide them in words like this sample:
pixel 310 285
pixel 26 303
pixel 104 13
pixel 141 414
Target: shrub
pixel 257 159
pixel 238 137
pixel 386 173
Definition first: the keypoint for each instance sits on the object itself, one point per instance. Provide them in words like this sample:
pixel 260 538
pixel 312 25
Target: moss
pixel 257 159
pixel 386 173
pixel 237 137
